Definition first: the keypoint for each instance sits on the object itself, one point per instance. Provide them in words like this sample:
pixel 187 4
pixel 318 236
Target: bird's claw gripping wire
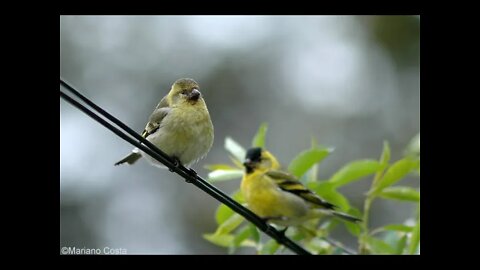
pixel 176 164
pixel 281 232
pixel 191 172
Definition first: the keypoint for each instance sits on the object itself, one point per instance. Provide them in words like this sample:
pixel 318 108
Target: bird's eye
pixel 184 92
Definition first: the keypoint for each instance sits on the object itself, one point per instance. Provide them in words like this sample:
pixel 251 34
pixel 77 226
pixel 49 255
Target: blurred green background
pixel 349 81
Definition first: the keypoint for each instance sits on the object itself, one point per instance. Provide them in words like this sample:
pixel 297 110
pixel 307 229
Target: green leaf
pixel 259 139
pixel 297 234
pixel 242 235
pixel 230 224
pixel 379 246
pixel 354 171
pixel 254 233
pixel 319 186
pixel 224 175
pixel 393 227
pixel 223 213
pixel 319 246
pixel 415 238
pixel 398 227
pixel 270 247
pixel 248 243
pixel 329 225
pixel 235 149
pixel 413 148
pixel 396 172
pixel 385 157
pixel 337 199
pixel 237 163
pixel 354 228
pixel 238 196
pixel 401 193
pixel 306 159
pixel 313 175
pixel 392 238
pixel 401 245
pixel 327 192
pixel 224 167
pixel 223 240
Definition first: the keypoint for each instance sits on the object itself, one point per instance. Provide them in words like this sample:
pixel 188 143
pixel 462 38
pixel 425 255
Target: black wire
pixel 186 173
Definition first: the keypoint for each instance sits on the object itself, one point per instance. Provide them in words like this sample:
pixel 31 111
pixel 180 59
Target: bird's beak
pixel 194 95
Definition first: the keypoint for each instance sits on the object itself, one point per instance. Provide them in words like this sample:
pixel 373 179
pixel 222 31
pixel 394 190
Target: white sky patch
pixel 112 32
pixel 323 73
pixel 80 152
pixel 327 65
pixel 228 31
pixel 129 218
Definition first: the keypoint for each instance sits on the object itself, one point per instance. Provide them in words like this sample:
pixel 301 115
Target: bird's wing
pixel 290 183
pixel 163 103
pixel 156 117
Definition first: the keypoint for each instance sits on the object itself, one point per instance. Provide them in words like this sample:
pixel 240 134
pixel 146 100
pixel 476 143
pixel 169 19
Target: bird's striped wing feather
pixel 289 183
pixel 156 117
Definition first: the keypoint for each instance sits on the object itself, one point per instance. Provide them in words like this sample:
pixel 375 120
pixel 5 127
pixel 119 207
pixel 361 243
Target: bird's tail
pixel 346 217
pixel 130 159
pixel 322 212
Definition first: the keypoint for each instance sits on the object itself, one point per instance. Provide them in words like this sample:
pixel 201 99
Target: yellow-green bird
pixel 278 196
pixel 180 126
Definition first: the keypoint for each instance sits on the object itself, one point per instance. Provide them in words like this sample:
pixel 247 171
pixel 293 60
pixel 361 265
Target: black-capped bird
pixel 180 126
pixel 278 196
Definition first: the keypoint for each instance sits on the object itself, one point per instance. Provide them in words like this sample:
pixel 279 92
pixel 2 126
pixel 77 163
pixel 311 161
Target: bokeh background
pixel 351 82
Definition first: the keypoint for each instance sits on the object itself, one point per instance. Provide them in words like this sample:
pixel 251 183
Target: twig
pixel 339 245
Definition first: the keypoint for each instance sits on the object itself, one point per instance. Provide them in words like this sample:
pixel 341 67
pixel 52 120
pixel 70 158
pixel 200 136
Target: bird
pixel 180 126
pixel 279 197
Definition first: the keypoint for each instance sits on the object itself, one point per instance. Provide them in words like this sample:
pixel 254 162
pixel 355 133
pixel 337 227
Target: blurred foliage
pixel 233 231
pixel 400 35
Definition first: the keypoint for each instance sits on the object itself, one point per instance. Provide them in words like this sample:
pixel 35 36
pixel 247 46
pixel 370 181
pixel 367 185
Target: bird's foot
pixel 280 218
pixel 176 163
pixel 193 174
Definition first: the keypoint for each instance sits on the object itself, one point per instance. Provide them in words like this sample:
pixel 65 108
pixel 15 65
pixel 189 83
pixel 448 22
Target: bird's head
pixel 260 159
pixel 185 90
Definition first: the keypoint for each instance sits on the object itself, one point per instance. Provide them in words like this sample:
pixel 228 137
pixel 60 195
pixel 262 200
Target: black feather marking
pixel 289 182
pixel 310 197
pixel 254 154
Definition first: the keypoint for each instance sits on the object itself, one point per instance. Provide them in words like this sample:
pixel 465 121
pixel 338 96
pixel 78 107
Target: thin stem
pixel 362 247
pixel 339 245
pixel 329 240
